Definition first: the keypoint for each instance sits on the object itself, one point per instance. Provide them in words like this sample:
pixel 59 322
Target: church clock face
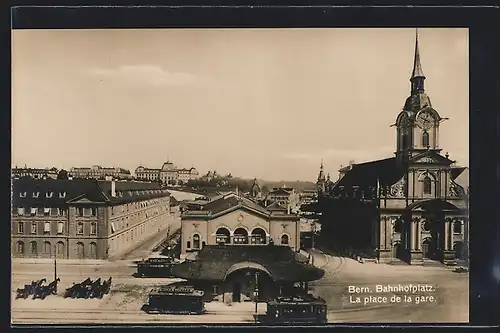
pixel 425 120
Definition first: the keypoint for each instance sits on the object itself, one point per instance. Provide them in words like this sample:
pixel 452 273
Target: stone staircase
pixel 432 263
pixel 397 262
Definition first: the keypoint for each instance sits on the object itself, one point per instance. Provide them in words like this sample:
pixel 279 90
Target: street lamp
pixel 256 292
pixel 55 262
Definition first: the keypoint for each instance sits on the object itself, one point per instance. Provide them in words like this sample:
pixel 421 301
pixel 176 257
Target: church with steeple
pixel 410 208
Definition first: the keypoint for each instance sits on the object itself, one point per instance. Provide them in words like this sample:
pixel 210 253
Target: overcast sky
pixel 265 103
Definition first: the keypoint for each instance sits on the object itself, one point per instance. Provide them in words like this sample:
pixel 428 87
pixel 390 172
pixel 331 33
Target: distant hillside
pixel 224 183
pixel 299 185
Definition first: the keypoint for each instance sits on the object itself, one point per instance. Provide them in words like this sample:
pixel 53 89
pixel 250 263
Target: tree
pixel 63 174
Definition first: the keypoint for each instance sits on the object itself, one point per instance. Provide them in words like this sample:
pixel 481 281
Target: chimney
pixel 113 188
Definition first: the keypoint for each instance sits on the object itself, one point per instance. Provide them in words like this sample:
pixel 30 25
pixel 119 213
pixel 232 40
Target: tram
pixel 296 309
pixel 155 267
pixel 175 300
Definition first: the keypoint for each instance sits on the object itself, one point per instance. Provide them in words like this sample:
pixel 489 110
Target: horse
pixel 44 291
pixel 107 285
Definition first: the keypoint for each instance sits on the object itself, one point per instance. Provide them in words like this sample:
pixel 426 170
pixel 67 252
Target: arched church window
pixel 425 139
pixel 427 185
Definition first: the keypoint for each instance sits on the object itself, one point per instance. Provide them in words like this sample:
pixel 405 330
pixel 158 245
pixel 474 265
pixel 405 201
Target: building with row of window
pixel 167 174
pixel 85 218
pixel 36 173
pixel 234 219
pixel 99 172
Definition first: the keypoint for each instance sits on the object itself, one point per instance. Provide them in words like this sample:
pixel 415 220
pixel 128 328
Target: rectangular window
pixel 46 211
pixel 46 227
pixel 93 211
pixel 54 211
pixel 20 211
pixel 80 211
pixel 33 211
pixel 60 227
pixel 93 228
pixel 33 228
pixel 20 227
pixel 79 228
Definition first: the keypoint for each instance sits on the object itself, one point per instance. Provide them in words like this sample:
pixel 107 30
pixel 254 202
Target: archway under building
pixel 433 212
pixel 459 250
pixel 398 251
pixel 242 279
pixel 429 249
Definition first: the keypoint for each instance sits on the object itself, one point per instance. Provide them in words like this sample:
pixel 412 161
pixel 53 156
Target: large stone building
pixel 167 174
pixel 35 173
pixel 86 219
pixel 412 207
pixel 235 220
pixel 284 196
pixel 99 172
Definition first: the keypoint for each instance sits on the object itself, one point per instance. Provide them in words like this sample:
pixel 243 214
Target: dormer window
pixel 22 194
pixel 36 194
pixel 49 194
pixel 62 194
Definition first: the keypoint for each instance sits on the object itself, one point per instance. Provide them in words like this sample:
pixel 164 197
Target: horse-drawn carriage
pixel 156 267
pixel 296 309
pixel 89 289
pixel 37 290
pixel 175 300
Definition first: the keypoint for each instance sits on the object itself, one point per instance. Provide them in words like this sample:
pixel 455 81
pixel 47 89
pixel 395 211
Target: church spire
pixel 417 75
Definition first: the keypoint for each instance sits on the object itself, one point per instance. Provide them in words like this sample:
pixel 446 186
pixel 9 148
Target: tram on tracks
pixel 156 267
pixel 175 300
pixel 296 310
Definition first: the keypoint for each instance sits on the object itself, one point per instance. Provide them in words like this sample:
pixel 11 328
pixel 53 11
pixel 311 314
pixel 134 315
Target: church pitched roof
pixel 386 171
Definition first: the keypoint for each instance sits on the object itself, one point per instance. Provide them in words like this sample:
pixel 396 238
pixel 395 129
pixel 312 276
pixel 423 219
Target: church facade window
pixel 425 139
pixel 427 185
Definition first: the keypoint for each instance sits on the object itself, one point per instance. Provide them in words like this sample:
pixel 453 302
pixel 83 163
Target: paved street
pixel 129 294
pixel 451 295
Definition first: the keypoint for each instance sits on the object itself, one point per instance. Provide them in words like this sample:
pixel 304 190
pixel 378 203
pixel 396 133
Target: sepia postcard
pixel 270 176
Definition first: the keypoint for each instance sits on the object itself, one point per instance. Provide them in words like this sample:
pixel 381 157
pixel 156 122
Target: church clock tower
pixel 418 123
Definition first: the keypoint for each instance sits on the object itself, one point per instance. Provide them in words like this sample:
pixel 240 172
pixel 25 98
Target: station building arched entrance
pixel 243 278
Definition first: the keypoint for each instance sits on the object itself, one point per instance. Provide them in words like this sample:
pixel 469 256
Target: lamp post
pixel 256 292
pixel 55 262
